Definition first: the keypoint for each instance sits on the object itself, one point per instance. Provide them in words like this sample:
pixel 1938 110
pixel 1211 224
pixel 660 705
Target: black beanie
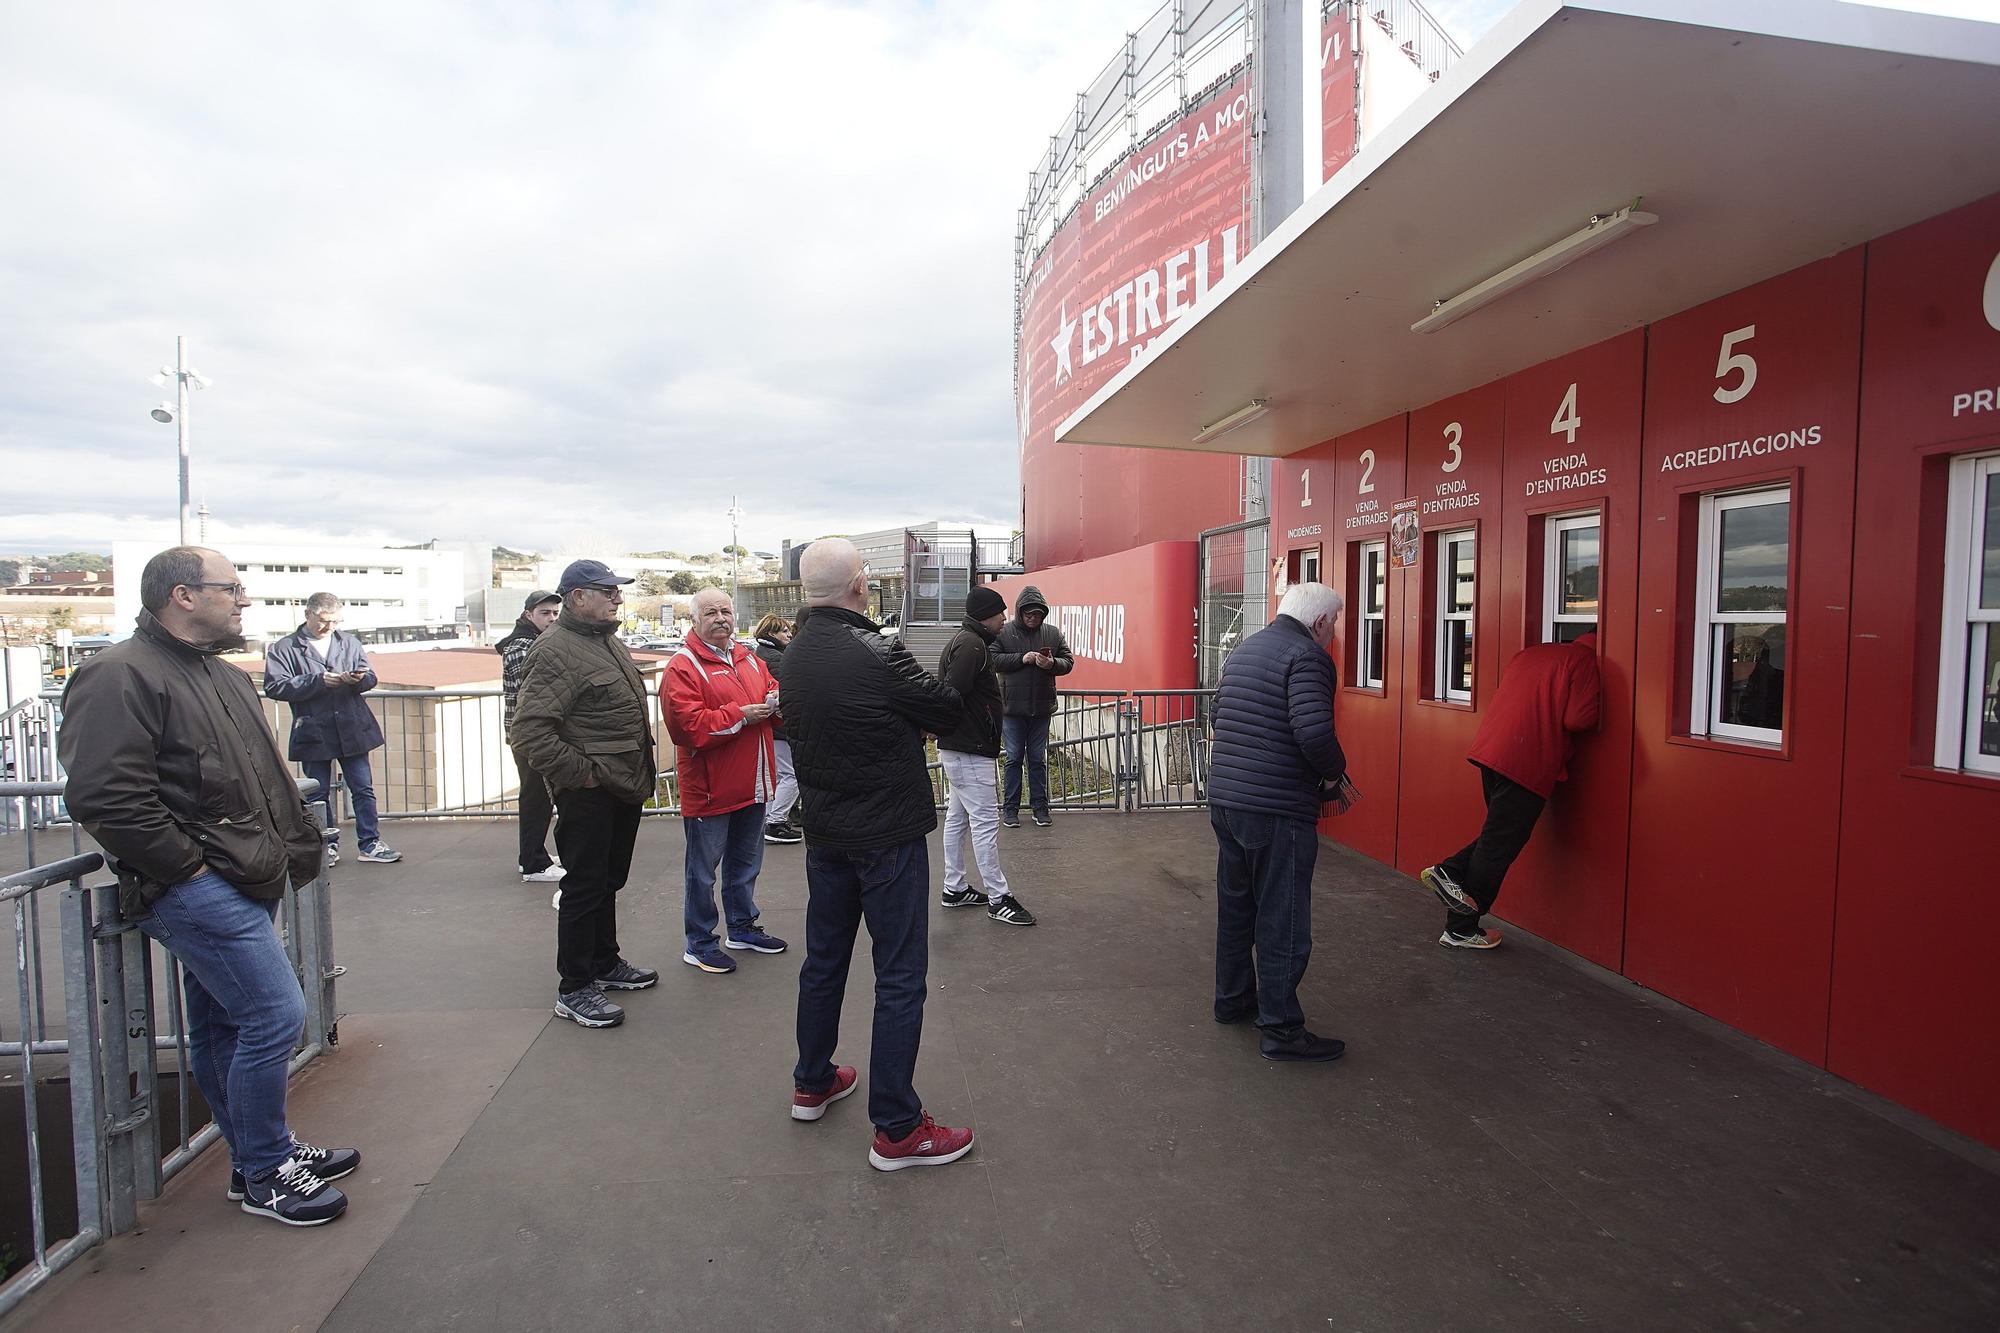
pixel 981 603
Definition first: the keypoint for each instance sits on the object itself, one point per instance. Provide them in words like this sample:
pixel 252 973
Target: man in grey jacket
pixel 1029 655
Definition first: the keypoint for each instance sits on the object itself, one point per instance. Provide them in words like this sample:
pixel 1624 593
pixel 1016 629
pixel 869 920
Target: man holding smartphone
pixel 322 672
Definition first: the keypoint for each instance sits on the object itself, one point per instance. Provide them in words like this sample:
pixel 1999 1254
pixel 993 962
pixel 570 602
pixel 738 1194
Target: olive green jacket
pixel 581 712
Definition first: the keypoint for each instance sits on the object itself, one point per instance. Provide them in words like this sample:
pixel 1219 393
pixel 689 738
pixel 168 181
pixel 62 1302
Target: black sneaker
pixel 326 1163
pixel 588 1008
pixel 292 1194
pixel 1041 818
pixel 1009 819
pixel 966 897
pixel 1009 911
pixel 627 977
pixel 783 831
pixel 1304 1048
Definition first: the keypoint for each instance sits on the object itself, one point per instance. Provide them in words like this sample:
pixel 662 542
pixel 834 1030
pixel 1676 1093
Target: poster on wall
pixel 1403 534
pixel 1339 90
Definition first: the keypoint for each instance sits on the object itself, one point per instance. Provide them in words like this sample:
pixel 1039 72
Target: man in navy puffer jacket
pixel 1273 761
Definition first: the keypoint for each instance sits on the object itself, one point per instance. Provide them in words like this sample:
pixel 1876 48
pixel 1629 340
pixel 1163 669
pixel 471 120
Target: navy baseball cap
pixel 584 573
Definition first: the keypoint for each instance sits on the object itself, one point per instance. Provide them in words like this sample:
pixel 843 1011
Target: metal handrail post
pixel 123 1114
pixel 142 1054
pixel 86 1090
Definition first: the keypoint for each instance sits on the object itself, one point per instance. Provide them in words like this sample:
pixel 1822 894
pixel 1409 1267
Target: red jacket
pixel 725 763
pixel 1546 692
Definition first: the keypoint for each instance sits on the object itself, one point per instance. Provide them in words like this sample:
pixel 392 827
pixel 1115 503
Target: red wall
pixel 1730 890
pixel 1129 618
pixel 1454 472
pixel 1569 885
pixel 1368 720
pixel 1915 987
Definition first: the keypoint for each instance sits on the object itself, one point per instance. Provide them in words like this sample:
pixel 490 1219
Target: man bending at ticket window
pixel 1548 692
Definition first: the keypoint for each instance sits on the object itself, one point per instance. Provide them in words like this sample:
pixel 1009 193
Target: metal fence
pixel 1122 750
pixel 107 1035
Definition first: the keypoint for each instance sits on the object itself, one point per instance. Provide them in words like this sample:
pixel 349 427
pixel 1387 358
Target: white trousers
pixel 788 785
pixel 973 802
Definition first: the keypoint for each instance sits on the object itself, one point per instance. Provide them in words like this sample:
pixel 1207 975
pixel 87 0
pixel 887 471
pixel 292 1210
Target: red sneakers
pixel 929 1144
pixel 812 1105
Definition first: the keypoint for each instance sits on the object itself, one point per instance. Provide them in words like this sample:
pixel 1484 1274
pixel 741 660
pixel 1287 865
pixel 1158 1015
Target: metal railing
pixel 1122 750
pixel 28 755
pixel 110 1040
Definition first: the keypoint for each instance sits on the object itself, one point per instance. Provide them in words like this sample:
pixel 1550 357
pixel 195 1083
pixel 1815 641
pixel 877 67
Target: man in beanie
pixel 1029 655
pixel 580 722
pixel 968 752
pixel 537 614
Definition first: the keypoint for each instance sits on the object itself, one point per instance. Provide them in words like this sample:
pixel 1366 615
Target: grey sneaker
pixel 381 853
pixel 627 977
pixel 588 1008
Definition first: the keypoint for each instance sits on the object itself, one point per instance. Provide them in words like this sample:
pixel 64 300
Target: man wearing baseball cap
pixel 537 614
pixel 580 722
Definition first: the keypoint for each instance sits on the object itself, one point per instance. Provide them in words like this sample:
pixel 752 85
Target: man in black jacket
pixel 856 707
pixel 538 612
pixel 1274 760
pixel 175 774
pixel 967 754
pixel 1029 655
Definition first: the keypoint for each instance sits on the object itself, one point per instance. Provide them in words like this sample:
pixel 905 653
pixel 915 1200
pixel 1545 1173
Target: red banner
pixel 1140 251
pixel 1339 93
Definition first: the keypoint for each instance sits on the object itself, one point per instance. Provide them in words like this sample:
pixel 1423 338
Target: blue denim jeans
pixel 359 775
pixel 737 841
pixel 1030 734
pixel 1263 907
pixel 244 1011
pixel 890 888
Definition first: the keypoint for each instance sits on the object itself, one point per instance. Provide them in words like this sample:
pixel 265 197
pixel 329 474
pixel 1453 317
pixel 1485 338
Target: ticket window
pixel 1305 566
pixel 1968 733
pixel 1571 575
pixel 1742 605
pixel 1455 599
pixel 1368 613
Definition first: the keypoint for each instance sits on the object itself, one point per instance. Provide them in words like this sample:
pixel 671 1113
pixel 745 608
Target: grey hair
pixel 828 569
pixel 324 602
pixel 1310 602
pixel 177 566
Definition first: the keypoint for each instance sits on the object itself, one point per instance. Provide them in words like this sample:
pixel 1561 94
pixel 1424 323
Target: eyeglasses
pixel 233 589
pixel 608 591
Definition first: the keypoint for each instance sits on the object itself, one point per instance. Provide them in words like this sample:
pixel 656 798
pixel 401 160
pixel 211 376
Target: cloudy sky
pixel 560 276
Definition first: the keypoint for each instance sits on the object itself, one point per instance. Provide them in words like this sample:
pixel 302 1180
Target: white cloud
pixel 522 271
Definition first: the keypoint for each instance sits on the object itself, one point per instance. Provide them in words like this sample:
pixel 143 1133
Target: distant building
pixel 392 595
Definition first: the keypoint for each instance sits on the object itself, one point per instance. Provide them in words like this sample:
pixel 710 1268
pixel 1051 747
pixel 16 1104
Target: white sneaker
pixel 553 875
pixel 1485 939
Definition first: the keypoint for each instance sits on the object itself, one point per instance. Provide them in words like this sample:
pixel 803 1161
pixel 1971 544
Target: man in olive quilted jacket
pixel 580 721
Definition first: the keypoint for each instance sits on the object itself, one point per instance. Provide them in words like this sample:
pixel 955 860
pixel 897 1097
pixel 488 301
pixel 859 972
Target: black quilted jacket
pixel 857 706
pixel 1274 741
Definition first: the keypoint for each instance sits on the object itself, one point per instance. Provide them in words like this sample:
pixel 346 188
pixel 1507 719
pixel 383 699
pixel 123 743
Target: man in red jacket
pixel 719 698
pixel 1522 750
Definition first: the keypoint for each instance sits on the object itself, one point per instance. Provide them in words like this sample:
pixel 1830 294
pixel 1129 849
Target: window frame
pixel 1966 628
pixel 1704 703
pixel 1443 617
pixel 1373 625
pixel 1553 527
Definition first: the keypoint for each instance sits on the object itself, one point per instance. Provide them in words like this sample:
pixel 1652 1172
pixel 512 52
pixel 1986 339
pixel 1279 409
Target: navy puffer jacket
pixel 1274 741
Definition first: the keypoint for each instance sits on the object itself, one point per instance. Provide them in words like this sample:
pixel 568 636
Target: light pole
pixel 183 375
pixel 735 517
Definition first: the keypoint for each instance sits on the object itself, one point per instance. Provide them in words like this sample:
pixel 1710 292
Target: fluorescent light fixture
pixel 1600 231
pixel 1242 416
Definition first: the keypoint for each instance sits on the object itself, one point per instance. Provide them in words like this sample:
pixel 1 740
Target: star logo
pixel 1060 344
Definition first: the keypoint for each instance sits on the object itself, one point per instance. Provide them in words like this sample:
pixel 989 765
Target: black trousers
pixel 594 835
pixel 536 811
pixel 1481 865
